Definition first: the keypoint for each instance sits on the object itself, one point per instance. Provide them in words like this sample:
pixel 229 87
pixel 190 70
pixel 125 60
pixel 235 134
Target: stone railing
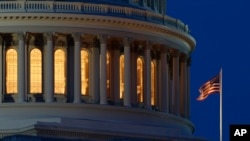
pixel 89 8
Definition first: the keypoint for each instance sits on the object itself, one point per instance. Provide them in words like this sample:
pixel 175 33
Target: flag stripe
pixel 210 87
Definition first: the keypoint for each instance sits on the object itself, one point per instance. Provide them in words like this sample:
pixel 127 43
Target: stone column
pixel 77 67
pixel 187 113
pixel 21 67
pixel 127 73
pixel 116 75
pixel 183 86
pixel 94 73
pixel 133 68
pixel 164 82
pixel 48 68
pixel 176 84
pixel 147 76
pixel 1 70
pixel 158 86
pixel 103 69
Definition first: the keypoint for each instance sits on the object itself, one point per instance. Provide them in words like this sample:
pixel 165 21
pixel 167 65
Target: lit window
pixel 59 71
pixel 121 76
pixel 108 74
pixel 11 71
pixel 35 71
pixel 140 80
pixel 153 70
pixel 84 72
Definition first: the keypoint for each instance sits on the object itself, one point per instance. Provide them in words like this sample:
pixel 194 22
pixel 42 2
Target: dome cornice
pixel 116 24
pixel 41 9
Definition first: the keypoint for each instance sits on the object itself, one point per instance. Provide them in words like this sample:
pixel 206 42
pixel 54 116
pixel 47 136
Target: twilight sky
pixel 222 32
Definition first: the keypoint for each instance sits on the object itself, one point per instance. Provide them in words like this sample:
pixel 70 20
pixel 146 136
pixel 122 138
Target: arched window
pixel 108 74
pixel 59 71
pixel 11 71
pixel 35 71
pixel 153 80
pixel 140 79
pixel 121 76
pixel 84 72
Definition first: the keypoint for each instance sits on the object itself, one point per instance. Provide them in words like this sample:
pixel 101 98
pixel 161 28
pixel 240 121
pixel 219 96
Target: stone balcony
pixel 91 9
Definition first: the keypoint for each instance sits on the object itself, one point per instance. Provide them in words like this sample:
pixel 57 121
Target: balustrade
pixel 99 9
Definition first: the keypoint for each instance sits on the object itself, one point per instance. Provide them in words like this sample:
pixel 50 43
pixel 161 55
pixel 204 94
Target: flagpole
pixel 221 104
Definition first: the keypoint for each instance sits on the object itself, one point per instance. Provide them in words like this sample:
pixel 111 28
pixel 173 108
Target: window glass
pixel 11 71
pixel 59 72
pixel 153 70
pixel 140 80
pixel 108 74
pixel 121 76
pixel 35 71
pixel 84 72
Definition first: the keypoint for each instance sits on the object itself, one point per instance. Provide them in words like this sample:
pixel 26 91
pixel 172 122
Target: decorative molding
pixel 133 18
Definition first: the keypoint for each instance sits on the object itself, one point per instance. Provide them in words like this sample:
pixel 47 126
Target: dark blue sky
pixel 222 32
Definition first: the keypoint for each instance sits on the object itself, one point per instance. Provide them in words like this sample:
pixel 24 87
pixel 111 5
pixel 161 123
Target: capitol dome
pixel 94 70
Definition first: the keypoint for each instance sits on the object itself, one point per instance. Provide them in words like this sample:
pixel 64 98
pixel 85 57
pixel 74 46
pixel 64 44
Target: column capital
pixel 17 37
pixel 163 49
pixel 183 58
pixel 76 36
pixel 20 35
pixel 49 36
pixel 103 38
pixel 127 41
pixel 175 53
pixel 148 45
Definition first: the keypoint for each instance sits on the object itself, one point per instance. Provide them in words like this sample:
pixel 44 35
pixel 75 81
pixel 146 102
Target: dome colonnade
pixel 102 54
pixel 171 69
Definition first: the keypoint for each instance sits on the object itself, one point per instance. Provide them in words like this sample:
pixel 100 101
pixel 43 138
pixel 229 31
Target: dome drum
pixel 74 68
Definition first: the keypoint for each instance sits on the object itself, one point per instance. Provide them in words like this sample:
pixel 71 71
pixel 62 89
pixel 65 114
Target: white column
pixel 21 67
pixel 183 86
pixel 1 70
pixel 176 83
pixel 103 70
pixel 133 68
pixel 158 85
pixel 167 84
pixel 48 68
pixel 147 76
pixel 116 75
pixel 164 82
pixel 94 74
pixel 187 114
pixel 77 68
pixel 127 73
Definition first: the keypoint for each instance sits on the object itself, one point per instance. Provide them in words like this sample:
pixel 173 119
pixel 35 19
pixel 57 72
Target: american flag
pixel 210 87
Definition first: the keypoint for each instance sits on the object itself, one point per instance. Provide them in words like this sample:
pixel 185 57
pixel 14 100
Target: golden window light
pixel 35 71
pixel 121 76
pixel 84 72
pixel 11 71
pixel 59 71
pixel 140 79
pixel 153 70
